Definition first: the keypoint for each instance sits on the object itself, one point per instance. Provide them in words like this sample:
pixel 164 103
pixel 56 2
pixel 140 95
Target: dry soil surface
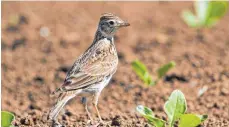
pixel 34 65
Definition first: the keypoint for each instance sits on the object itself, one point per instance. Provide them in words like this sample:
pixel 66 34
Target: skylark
pixel 93 70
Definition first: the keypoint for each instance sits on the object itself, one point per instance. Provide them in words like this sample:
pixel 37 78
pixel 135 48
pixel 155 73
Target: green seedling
pixel 208 13
pixel 164 69
pixel 142 72
pixel 175 109
pixel 175 106
pixel 148 114
pixel 6 119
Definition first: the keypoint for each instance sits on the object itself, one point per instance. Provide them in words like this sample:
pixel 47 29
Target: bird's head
pixel 110 23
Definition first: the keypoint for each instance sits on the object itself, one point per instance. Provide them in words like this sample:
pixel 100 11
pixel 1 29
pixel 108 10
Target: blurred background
pixel 41 40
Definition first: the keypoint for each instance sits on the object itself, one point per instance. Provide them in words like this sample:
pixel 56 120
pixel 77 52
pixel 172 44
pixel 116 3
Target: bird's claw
pixel 90 122
pixel 105 123
pixel 56 124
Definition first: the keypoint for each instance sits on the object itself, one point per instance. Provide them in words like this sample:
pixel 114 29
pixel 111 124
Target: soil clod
pixel 173 77
pixel 17 43
pixel 116 121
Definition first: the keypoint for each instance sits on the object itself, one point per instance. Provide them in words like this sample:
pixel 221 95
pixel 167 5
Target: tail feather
pixel 62 100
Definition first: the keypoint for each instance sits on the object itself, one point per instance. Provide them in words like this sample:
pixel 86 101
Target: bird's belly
pixel 96 87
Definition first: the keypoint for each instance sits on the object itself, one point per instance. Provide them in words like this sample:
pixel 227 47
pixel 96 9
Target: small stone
pixel 116 121
pixel 18 42
pixel 25 121
pixel 224 91
pixel 44 32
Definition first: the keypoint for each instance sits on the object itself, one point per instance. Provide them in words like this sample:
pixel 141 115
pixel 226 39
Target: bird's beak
pixel 124 24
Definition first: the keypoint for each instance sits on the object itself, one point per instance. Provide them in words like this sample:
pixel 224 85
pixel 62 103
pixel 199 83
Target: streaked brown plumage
pixel 92 71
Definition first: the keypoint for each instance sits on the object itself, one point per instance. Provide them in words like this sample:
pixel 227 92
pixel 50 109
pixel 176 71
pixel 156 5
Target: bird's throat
pixel 101 35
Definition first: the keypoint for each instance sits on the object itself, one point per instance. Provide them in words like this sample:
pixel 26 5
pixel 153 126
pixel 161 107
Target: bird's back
pixel 97 62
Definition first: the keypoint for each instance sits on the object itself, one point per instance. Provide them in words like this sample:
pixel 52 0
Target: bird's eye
pixel 111 23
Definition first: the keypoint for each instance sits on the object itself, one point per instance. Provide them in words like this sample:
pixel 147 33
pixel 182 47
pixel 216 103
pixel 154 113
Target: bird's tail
pixel 62 100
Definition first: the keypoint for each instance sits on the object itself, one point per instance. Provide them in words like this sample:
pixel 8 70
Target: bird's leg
pixel 84 100
pixel 96 108
pixel 95 103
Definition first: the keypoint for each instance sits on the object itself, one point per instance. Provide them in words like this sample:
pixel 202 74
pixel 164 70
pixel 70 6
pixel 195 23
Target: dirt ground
pixel 33 66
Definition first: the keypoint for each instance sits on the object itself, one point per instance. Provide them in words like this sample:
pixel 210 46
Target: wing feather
pixel 96 63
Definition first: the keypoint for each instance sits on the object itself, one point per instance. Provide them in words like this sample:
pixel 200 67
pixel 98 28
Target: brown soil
pixel 33 66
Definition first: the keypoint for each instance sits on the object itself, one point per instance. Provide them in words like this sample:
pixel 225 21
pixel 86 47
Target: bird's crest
pixel 107 16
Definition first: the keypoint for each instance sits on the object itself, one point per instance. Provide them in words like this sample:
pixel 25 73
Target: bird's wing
pixel 98 62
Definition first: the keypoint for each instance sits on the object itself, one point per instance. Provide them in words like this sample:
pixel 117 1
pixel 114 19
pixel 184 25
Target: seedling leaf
pixel 155 121
pixel 189 18
pixel 175 106
pixel 148 114
pixel 216 10
pixel 207 13
pixel 165 68
pixel 203 117
pixel 141 70
pixel 201 8
pixel 6 118
pixel 189 120
pixel 144 110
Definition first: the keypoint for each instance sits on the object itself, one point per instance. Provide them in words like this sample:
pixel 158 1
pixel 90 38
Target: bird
pixel 93 70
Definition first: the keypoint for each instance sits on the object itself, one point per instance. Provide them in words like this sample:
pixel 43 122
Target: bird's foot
pixel 106 123
pixel 94 125
pixel 90 122
pixel 56 124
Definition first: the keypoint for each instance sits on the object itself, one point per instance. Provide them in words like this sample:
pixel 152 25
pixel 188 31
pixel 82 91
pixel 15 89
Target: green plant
pixel 149 115
pixel 175 109
pixel 6 119
pixel 208 13
pixel 141 70
pixel 164 69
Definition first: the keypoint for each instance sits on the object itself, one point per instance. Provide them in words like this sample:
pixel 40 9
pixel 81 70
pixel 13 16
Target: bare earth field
pixel 33 66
